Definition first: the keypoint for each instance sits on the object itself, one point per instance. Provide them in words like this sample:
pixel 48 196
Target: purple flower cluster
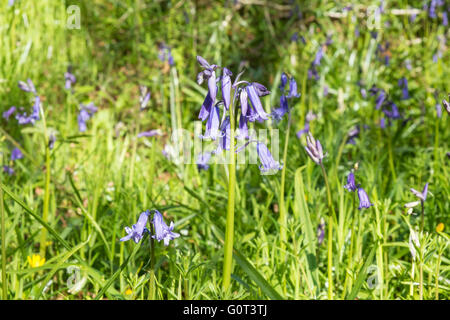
pixel 165 53
pixel 247 95
pixel 278 113
pixel 16 154
pixel 23 117
pixel 161 230
pixel 86 112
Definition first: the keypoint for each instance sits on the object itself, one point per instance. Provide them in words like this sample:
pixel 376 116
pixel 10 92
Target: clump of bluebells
pixel 215 110
pixel 159 229
pixel 22 116
pixel 86 112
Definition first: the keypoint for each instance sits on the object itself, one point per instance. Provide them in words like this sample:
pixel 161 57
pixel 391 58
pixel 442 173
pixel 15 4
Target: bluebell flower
pixel 150 133
pixel 446 104
pixel 382 123
pixel 86 112
pixel 403 84
pixel 51 141
pixel 212 125
pixel 144 97
pixel 393 113
pixel 224 137
pixel 24 118
pixel 278 113
pixel 293 89
pixel 318 57
pixel 203 160
pixel 208 74
pixel 364 201
pixel 69 78
pixel 421 195
pixel 351 185
pixel 137 231
pixel 268 163
pixel 444 19
pixel 27 86
pixel 321 231
pixel 438 110
pixel 253 96
pixel 303 131
pixel 16 154
pixel 352 134
pixel 380 99
pixel 243 128
pixel 226 87
pixel 284 79
pixel 162 231
pixel 8 170
pixel 314 149
pixel 8 113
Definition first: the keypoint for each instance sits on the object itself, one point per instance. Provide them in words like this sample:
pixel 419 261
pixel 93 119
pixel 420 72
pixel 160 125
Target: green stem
pixel 330 234
pixel 2 211
pixel 43 242
pixel 422 218
pixel 438 264
pixel 229 232
pixel 391 158
pixel 282 218
pixel 151 291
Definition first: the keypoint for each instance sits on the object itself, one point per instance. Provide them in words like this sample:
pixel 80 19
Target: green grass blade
pixel 361 276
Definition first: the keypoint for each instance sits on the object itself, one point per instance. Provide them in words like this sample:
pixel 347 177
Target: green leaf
pixel 361 276
pixel 312 272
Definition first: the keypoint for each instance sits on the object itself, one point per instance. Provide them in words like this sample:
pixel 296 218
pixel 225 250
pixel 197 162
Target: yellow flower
pixel 128 292
pixel 36 261
pixel 440 227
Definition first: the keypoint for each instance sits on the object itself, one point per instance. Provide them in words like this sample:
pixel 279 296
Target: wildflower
pixel 382 123
pixel 34 116
pixel 128 292
pixel 243 128
pixel 412 204
pixel 438 110
pixel 208 74
pixel 284 79
pixel 162 231
pixel 253 95
pixel 304 130
pixel 293 89
pixel 16 154
pixel 364 201
pixel 393 113
pixel 267 161
pixel 226 87
pixel 8 170
pixel 86 112
pixel 136 232
pixel 318 57
pixel 70 79
pixel 8 113
pixel 444 18
pixel 321 231
pixel 440 227
pixel 446 104
pixel 27 86
pixel 150 133
pixel 352 134
pixel 35 261
pixel 278 113
pixel 203 161
pixel 314 149
pixel 212 125
pixel 413 243
pixel 403 84
pixel 144 97
pixel 51 141
pixel 350 186
pixel 421 195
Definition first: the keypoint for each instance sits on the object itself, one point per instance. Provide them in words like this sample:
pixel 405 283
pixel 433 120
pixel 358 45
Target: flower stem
pixel 422 218
pixel 43 242
pixel 330 234
pixel 229 232
pixel 282 218
pixel 151 291
pixel 2 211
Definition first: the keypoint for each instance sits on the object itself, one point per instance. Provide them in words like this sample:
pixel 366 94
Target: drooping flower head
pixel 86 112
pixel 351 185
pixel 69 78
pixel 8 170
pixel 162 231
pixel 321 231
pixel 16 154
pixel 364 201
pixel 403 84
pixel 144 97
pixel 137 231
pixel 8 113
pixel 446 104
pixel 314 149
pixel 27 86
pixel 203 160
pixel 150 133
pixel 268 163
pixel 421 195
